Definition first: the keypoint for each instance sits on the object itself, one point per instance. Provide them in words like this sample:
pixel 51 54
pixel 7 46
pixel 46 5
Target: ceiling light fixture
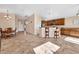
pixel 7 15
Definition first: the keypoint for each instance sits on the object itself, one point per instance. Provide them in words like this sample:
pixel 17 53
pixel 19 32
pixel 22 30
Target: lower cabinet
pixel 42 32
pixel 47 31
pixel 51 32
pixel 70 32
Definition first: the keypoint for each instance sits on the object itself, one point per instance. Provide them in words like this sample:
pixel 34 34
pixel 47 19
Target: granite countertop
pixel 64 26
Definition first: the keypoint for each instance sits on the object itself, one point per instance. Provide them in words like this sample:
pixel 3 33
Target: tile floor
pixel 24 44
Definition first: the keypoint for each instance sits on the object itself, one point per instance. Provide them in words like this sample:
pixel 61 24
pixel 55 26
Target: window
pixel 76 22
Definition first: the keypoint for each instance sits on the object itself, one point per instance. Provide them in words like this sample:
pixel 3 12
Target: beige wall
pixel 37 24
pixel 30 24
pixel 5 23
pixel 69 22
pixel 34 26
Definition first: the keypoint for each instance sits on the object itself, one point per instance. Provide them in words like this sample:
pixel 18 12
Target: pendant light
pixel 7 16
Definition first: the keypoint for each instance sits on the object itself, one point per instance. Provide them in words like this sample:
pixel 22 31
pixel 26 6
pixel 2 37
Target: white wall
pixel 30 24
pixel 37 24
pixel 20 26
pixel 19 23
pixel 34 24
pixel 71 21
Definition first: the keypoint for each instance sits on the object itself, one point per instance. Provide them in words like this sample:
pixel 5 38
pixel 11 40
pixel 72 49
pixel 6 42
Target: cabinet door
pixel 51 32
pixel 42 32
pixel 59 22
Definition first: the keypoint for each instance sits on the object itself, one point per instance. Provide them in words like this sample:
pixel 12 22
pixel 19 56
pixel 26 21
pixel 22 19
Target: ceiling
pixel 45 10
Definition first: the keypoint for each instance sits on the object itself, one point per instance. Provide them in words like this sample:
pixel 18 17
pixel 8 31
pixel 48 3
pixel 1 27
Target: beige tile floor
pixel 24 44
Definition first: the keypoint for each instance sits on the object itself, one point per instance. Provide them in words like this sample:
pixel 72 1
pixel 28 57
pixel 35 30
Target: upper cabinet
pixel 59 21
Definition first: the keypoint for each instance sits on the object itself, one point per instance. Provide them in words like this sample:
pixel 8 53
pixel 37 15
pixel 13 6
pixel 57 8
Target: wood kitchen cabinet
pixel 70 31
pixel 65 31
pixel 52 22
pixel 59 22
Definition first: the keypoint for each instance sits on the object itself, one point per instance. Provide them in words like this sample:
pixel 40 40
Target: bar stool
pixel 46 32
pixel 56 33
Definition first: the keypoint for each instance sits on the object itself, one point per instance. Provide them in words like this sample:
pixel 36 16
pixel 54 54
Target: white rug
pixel 46 48
pixel 72 40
